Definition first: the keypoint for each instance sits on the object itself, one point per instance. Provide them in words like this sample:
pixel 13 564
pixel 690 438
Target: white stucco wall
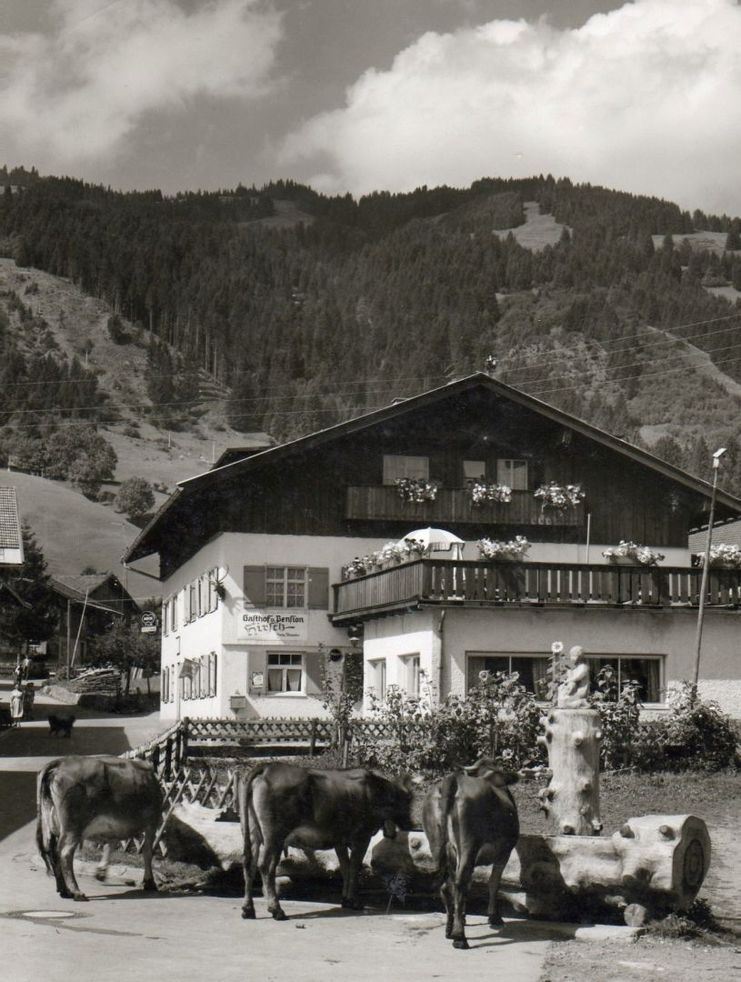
pixel 219 630
pixel 668 633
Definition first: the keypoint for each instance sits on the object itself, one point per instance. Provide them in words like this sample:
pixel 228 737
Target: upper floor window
pixel 396 466
pixel 513 473
pixel 304 587
pixel 285 586
pixel 474 470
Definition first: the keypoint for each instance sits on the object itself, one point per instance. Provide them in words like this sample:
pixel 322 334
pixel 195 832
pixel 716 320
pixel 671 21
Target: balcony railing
pixel 434 581
pixel 383 503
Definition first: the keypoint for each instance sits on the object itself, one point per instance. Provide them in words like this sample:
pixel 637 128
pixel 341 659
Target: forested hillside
pixel 342 305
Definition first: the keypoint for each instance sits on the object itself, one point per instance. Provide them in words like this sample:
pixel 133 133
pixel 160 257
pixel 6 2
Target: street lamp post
pixel 705 567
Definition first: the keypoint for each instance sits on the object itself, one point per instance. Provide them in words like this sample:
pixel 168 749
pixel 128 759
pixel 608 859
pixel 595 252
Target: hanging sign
pixel 148 622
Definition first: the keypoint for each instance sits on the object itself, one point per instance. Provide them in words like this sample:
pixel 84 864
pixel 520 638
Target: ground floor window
pixel 645 671
pixel 532 669
pixel 377 677
pixel 411 675
pixel 534 672
pixel 285 672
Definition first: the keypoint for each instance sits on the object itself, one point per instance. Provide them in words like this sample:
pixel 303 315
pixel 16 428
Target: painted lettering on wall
pixel 259 626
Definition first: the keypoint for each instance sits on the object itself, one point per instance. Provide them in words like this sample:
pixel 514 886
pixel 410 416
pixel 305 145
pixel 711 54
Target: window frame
pixel 284 669
pixel 393 468
pixel 469 478
pixel 379 664
pixel 505 472
pixel 412 674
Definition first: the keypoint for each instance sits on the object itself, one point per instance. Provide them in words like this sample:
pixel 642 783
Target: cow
pixel 103 799
pixel 60 726
pixel 470 819
pixel 282 805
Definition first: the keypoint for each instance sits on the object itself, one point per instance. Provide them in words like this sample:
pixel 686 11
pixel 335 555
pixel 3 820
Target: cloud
pixel 643 98
pixel 75 94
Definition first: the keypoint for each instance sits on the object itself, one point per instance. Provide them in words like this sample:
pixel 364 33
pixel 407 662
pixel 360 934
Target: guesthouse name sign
pixel 259 626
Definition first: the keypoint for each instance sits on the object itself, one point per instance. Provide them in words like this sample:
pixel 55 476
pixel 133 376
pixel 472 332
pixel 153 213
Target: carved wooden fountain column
pixel 572 736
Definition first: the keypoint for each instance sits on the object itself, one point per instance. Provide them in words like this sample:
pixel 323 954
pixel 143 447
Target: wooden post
pixel 571 800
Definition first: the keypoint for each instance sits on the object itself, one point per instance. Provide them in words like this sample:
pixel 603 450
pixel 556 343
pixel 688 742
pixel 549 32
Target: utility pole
pixel 705 568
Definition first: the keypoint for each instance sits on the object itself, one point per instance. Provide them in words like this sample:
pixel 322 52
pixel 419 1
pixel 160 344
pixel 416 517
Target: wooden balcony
pixel 382 503
pixel 478 584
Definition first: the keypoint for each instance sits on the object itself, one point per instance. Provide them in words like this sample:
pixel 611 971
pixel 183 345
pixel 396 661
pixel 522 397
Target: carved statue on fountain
pixel 574 690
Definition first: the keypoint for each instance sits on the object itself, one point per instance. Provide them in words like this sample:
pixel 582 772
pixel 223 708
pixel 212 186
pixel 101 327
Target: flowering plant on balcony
pixel 722 555
pixel 641 555
pixel 416 489
pixel 480 492
pixel 512 551
pixel 390 554
pixel 559 496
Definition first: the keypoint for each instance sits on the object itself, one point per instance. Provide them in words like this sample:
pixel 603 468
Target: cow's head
pixel 489 770
pixel 394 800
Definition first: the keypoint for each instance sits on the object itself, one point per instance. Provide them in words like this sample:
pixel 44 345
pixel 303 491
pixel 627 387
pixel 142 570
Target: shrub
pixel 700 734
pixel 135 497
pixel 499 718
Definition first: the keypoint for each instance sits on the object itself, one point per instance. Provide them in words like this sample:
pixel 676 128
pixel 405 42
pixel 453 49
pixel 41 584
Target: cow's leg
pixel 495 919
pixel 344 860
pixel 358 850
pixel 249 867
pixel 148 883
pixel 446 892
pixel 56 865
pixel 101 870
pixel 461 883
pixel 68 843
pixel 268 863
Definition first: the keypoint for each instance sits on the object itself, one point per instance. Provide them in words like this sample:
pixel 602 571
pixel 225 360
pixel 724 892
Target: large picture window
pixel 534 672
pixel 532 669
pixel 285 672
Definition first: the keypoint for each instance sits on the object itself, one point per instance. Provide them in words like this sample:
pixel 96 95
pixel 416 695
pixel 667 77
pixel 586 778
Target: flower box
pixel 627 553
pixel 559 496
pixel 511 552
pixel 416 490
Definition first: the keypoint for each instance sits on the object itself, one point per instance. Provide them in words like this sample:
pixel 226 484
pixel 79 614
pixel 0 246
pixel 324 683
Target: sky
pixel 361 95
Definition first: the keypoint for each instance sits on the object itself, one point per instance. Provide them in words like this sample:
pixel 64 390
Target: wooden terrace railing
pixel 454 505
pixel 434 581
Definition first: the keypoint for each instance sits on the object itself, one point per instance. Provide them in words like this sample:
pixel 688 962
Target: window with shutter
pixel 254 586
pixel 318 588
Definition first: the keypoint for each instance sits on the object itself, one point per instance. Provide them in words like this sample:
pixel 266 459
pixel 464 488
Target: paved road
pixel 124 934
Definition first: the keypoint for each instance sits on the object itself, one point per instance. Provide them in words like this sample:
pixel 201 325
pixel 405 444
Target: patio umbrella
pixel 437 540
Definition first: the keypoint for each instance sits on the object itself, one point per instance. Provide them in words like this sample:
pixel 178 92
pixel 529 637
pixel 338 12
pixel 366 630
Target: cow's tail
pixel 46 837
pixel 448 789
pixel 246 809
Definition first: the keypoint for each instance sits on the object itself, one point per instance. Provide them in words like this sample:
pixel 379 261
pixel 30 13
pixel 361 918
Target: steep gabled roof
pixel 144 543
pixel 81 589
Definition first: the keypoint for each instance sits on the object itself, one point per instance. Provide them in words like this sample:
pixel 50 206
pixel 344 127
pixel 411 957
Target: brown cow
pixel 470 819
pixel 103 799
pixel 282 805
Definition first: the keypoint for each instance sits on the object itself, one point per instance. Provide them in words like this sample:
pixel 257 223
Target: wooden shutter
pixel 254 586
pixel 318 588
pixel 313 670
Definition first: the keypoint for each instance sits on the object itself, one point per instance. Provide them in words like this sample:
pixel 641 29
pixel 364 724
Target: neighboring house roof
pixel 145 542
pixel 253 443
pixel 726 532
pixel 11 535
pixel 16 598
pixel 78 588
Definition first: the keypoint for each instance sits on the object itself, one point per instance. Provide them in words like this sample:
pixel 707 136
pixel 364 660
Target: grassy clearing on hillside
pixel 538 230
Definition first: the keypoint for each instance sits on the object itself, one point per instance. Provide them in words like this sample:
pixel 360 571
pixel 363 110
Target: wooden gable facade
pixel 332 482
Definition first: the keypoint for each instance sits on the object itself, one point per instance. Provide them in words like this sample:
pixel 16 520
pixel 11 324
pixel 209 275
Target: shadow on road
pixel 29 740
pixel 17 800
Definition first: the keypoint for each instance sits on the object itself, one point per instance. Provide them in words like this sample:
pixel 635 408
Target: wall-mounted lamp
pixel 354 635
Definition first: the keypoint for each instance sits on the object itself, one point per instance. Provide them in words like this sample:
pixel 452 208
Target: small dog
pixel 60 725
